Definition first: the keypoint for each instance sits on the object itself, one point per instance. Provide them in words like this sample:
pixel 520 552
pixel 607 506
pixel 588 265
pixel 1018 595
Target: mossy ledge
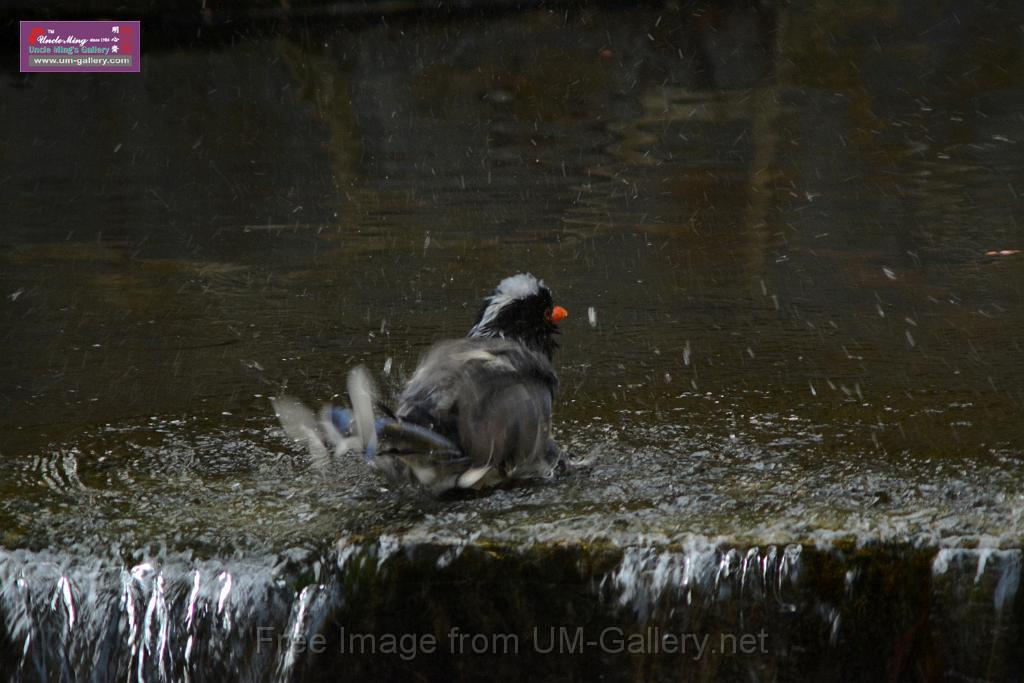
pixel 694 608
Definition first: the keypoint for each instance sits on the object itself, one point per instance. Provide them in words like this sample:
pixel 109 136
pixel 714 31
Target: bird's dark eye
pixel 547 313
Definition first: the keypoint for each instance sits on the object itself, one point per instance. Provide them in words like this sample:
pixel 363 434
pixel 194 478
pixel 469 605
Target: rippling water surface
pixel 787 239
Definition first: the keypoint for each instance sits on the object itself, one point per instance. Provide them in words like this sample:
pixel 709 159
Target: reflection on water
pixel 780 216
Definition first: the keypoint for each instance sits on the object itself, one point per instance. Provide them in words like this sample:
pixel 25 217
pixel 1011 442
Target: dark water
pixel 800 384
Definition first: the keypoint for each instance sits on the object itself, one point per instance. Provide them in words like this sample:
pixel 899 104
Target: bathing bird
pixel 476 411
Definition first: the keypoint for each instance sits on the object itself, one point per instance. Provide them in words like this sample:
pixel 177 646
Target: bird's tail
pixel 340 430
pixel 413 436
pixel 361 421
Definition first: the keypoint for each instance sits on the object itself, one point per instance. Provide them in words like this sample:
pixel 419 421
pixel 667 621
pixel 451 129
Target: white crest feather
pixel 510 289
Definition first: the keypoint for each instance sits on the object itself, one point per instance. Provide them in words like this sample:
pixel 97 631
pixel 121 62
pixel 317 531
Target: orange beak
pixel 558 314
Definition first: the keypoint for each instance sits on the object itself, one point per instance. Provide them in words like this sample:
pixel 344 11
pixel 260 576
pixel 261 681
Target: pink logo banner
pixel 80 46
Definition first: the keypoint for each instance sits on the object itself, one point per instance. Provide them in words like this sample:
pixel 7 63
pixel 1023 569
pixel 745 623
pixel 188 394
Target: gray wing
pixel 490 396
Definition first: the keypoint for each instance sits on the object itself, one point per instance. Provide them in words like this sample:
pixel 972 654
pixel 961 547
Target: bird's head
pixel 521 309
